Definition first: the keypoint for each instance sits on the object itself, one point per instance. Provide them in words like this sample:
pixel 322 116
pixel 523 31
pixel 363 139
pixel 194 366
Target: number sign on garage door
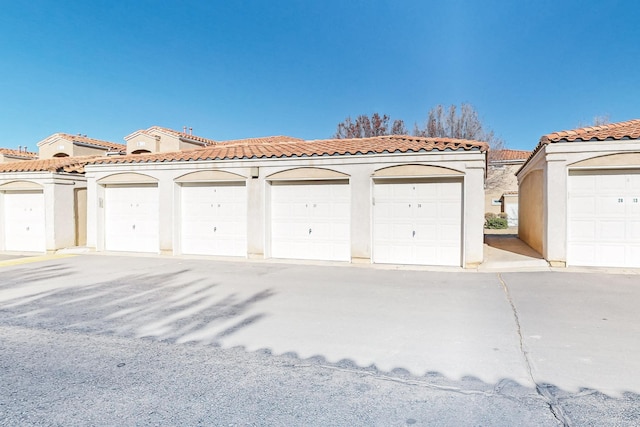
pixel 131 218
pixel 604 218
pixel 214 219
pixel 417 222
pixel 24 221
pixel 311 220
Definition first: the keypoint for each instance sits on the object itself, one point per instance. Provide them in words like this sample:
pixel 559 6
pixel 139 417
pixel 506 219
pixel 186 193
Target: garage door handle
pixel 27 228
pixel 414 233
pixel 134 226
pixel 309 231
pixel 215 229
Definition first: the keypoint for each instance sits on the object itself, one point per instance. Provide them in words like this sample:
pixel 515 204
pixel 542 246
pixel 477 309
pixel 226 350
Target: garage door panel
pixel 132 218
pixel 24 221
pixel 607 255
pixel 634 230
pixel 311 221
pixel 603 219
pixel 612 230
pixel 214 219
pixel 425 220
pixel 584 207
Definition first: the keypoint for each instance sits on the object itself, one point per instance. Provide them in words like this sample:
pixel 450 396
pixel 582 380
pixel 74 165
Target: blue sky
pixel 237 69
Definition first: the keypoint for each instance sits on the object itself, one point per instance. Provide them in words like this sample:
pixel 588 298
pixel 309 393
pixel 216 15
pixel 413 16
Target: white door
pixel 24 221
pixel 131 218
pixel 417 222
pixel 214 219
pixel 604 218
pixel 311 221
pixel 511 209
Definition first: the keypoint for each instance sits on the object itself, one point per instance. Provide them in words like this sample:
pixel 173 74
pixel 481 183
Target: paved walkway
pixel 506 252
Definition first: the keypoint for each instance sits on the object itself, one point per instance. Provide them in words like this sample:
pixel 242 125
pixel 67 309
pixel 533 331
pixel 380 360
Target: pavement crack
pixel 415 382
pixel 541 389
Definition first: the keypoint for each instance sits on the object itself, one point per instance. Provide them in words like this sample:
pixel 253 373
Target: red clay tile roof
pixel 263 140
pixel 178 134
pixel 299 148
pixel 56 164
pixel 614 131
pixel 507 154
pixel 111 146
pixel 17 153
pixel 611 132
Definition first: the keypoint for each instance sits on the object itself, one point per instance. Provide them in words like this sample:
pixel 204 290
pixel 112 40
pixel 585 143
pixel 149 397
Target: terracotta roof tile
pixel 112 146
pixel 263 140
pixel 17 153
pixel 302 148
pixel 614 131
pixel 56 164
pixel 179 134
pixel 610 132
pixel 507 154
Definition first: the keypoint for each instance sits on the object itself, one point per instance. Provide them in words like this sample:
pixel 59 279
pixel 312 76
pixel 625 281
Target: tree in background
pixel 601 120
pixel 365 126
pixel 462 123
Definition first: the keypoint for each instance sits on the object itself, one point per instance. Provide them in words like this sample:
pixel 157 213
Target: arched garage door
pixel 214 219
pixel 311 220
pixel 603 218
pixel 417 221
pixel 24 221
pixel 131 218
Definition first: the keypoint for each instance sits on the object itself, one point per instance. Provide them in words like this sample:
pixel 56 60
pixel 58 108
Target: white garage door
pixel 214 219
pixel 311 221
pixel 604 218
pixel 131 218
pixel 24 221
pixel 417 222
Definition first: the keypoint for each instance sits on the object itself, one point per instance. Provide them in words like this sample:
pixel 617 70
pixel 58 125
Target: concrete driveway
pixel 563 336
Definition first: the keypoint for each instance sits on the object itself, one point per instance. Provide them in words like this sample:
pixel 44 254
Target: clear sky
pixel 239 69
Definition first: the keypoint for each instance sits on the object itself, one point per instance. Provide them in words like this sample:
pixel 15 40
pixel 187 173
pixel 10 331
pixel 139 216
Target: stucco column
pixel 361 205
pixel 165 220
pixel 473 216
pixel 63 217
pixel 50 215
pixel 255 217
pixel 555 211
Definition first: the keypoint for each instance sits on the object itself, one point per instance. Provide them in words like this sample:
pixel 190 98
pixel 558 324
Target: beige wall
pixel 499 181
pixel 80 213
pixel 530 210
pixel 142 142
pixel 49 150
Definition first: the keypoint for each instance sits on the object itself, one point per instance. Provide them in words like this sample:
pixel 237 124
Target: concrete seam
pixel 552 403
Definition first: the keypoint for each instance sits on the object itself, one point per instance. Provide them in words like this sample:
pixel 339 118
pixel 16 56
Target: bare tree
pixel 365 126
pixel 462 123
pixel 603 119
pixel 451 122
pixel 398 128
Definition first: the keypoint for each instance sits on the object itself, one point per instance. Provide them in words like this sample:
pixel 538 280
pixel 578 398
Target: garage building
pixel 43 204
pixel 388 199
pixel 580 196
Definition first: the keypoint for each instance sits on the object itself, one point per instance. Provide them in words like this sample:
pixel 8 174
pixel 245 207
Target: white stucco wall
pixel 58 189
pixel 556 160
pixel 360 170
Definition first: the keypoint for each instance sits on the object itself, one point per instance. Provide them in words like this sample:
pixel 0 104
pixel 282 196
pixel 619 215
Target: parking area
pixel 560 331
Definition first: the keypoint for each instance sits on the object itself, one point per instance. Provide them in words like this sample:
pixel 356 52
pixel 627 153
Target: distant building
pixel 67 145
pixel 501 188
pixel 8 155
